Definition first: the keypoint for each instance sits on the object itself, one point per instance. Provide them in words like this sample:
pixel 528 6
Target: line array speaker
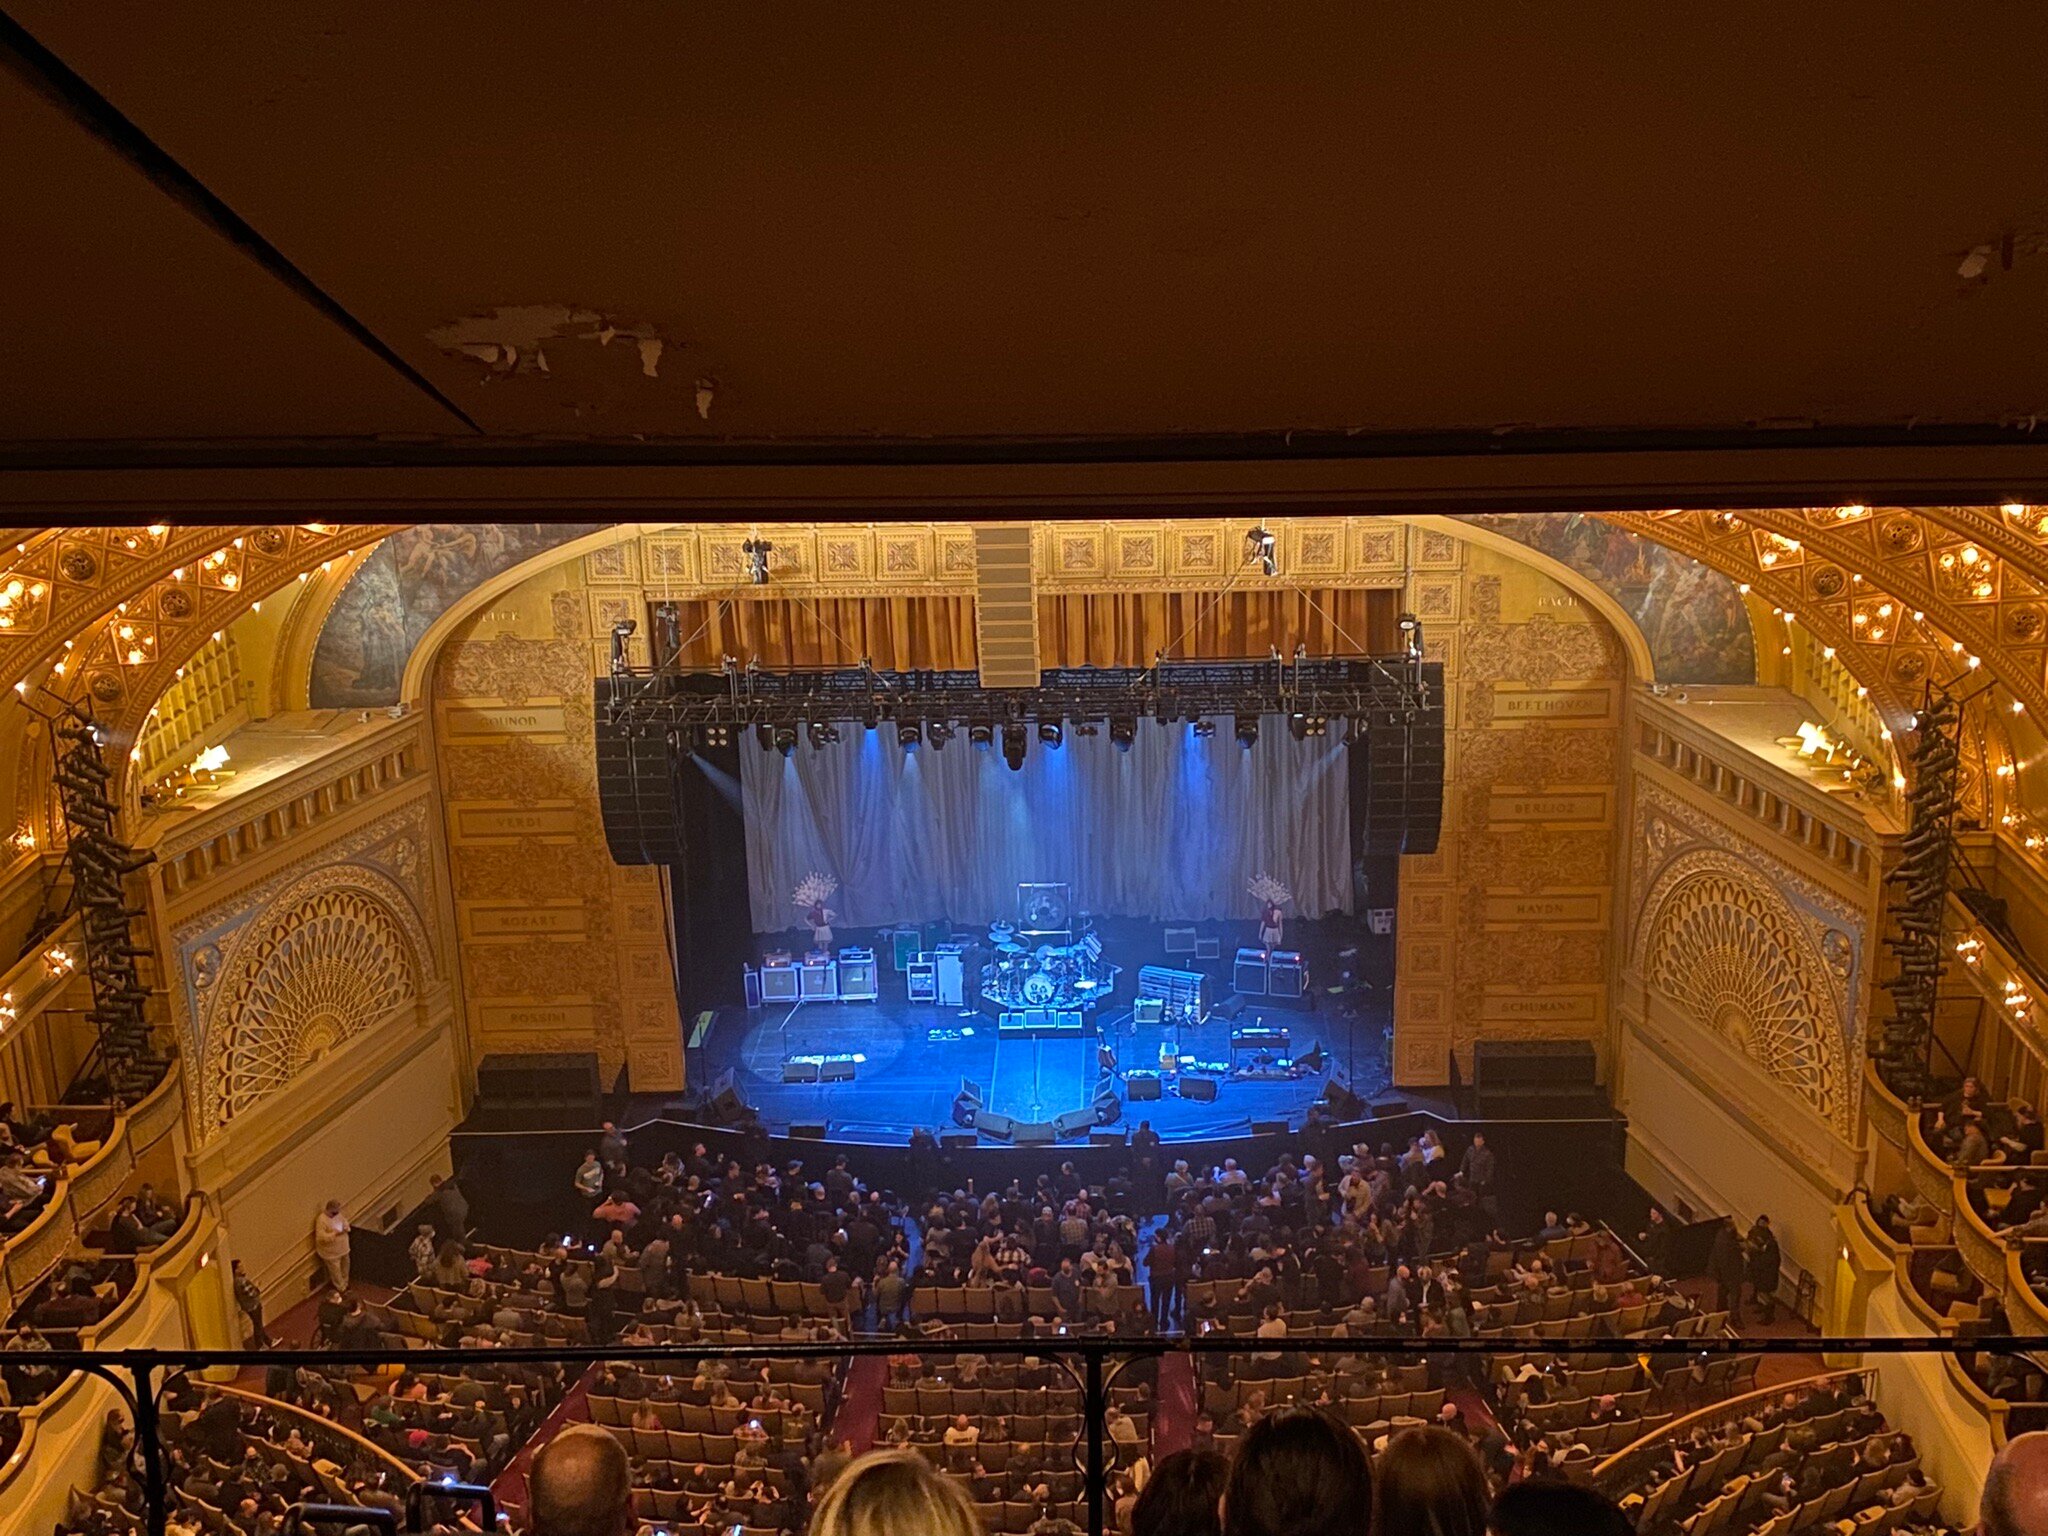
pixel 1398 776
pixel 636 792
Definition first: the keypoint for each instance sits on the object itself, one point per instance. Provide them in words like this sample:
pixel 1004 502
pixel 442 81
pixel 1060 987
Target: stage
pixel 909 1059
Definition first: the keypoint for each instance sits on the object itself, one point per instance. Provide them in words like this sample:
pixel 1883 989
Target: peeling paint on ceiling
pixel 513 339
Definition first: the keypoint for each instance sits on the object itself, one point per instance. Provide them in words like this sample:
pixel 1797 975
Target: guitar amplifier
pixel 819 982
pixel 1148 1010
pixel 1286 975
pixel 857 975
pixel 779 983
pixel 1248 976
pixel 1183 992
pixel 923 981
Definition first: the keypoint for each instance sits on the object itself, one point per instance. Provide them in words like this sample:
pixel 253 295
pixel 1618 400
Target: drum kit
pixel 1042 976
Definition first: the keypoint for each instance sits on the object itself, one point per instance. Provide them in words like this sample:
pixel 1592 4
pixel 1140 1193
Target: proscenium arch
pixel 419 664
pixel 1602 602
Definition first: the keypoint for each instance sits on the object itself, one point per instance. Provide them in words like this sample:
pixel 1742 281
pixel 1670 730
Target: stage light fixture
pixel 981 734
pixel 1297 726
pixel 1013 744
pixel 785 739
pixel 1411 635
pixel 1123 730
pixel 622 632
pixel 1086 728
pixel 1203 729
pixel 871 716
pixel 1247 730
pixel 939 732
pixel 908 733
pixel 757 552
pixel 822 733
pixel 1050 734
pixel 764 733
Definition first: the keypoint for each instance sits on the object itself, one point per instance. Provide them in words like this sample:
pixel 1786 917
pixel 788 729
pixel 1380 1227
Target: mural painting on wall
pixel 408 582
pixel 1692 615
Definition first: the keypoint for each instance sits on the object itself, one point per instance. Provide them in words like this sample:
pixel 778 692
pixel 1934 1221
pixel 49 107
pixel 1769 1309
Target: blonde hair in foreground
pixel 893 1493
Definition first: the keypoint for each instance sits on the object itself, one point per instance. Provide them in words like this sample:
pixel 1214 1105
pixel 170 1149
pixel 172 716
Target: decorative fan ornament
pixel 1267 891
pixel 325 971
pixel 1727 959
pixel 814 889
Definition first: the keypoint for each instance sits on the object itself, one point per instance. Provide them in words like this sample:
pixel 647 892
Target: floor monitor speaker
pixel 1073 1122
pixel 954 1140
pixel 1036 1133
pixel 991 1123
pixel 1269 1127
pixel 1142 1087
pixel 807 1130
pixel 1200 1089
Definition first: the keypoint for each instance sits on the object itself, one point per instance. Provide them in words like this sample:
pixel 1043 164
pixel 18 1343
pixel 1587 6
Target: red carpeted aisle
pixel 860 1408
pixel 1173 1421
pixel 509 1487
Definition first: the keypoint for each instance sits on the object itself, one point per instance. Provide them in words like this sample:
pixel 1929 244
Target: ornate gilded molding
pixel 335 952
pixel 1770 965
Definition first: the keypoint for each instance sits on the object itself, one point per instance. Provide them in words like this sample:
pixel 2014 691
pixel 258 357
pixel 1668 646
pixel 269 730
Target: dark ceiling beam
pixel 43 72
pixel 577 483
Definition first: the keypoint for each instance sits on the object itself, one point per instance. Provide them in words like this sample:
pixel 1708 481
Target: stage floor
pixel 907 1078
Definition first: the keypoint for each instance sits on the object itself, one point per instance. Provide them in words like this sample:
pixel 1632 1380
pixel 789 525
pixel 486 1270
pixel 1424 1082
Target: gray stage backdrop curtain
pixel 1172 828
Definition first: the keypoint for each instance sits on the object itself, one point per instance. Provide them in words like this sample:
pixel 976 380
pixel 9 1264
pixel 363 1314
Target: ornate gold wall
pixel 1744 986
pixel 307 919
pixel 562 950
pixel 1504 931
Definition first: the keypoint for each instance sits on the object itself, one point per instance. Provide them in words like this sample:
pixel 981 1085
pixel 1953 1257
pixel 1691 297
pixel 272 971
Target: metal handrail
pixel 138 1374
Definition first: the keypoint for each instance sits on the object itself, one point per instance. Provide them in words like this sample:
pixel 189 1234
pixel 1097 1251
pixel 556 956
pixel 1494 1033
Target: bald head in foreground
pixel 2015 1501
pixel 580 1485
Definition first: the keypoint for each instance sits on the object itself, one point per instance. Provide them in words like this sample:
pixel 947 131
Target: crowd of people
pixel 1385 1241
pixel 1299 1472
pixel 235 1467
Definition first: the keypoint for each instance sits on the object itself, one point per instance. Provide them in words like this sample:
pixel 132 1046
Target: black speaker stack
pixel 636 790
pixel 1535 1078
pixel 1397 778
pixel 560 1085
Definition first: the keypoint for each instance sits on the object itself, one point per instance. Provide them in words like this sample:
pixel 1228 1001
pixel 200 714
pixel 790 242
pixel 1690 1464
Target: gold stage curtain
pixel 1096 629
pixel 1128 629
pixel 899 634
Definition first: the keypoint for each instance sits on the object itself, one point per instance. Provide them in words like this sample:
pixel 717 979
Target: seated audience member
pixel 1183 1497
pixel 1429 1483
pixel 891 1493
pixel 1547 1506
pixel 2015 1498
pixel 1299 1472
pixel 580 1485
pixel 129 1233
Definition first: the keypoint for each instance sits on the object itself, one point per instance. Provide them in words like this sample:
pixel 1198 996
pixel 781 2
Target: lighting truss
pixel 1367 691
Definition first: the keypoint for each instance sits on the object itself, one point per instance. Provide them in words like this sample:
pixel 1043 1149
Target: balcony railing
pixel 1697 1377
